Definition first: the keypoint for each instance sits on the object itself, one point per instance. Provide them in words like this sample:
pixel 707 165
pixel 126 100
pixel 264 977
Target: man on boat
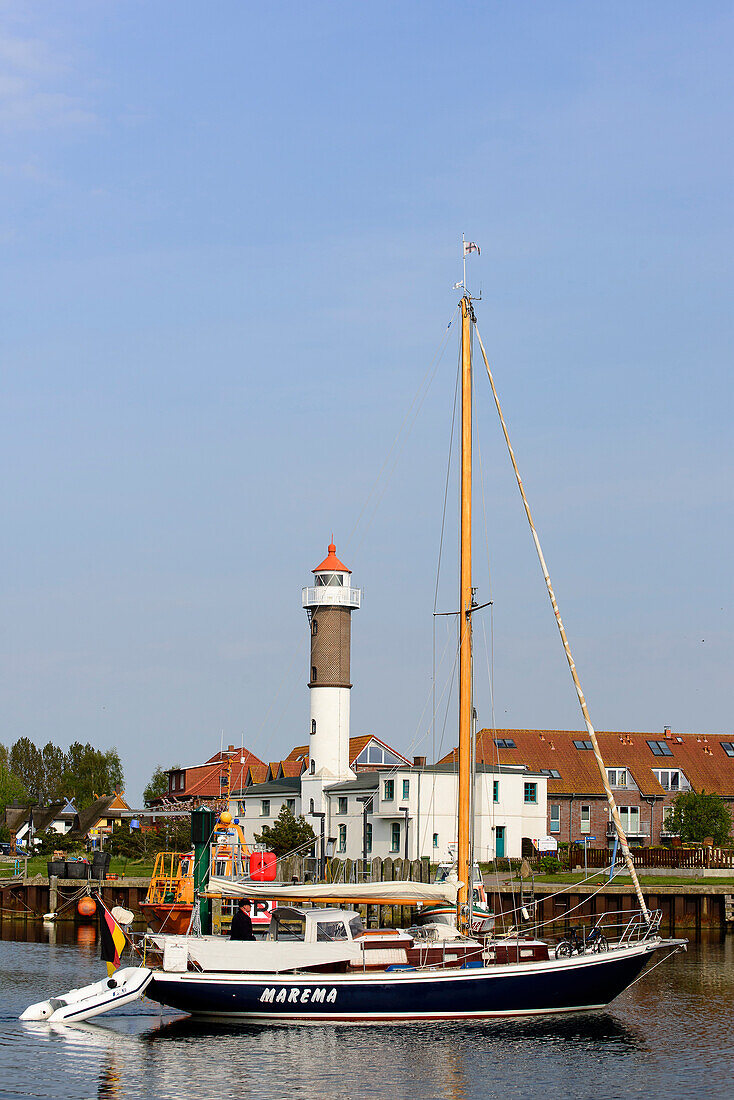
pixel 241 923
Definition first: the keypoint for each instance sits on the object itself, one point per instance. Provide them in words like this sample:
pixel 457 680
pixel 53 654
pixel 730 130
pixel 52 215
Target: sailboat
pixel 322 965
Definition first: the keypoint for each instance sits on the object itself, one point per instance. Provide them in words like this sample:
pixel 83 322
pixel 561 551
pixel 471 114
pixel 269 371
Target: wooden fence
pixel 677 858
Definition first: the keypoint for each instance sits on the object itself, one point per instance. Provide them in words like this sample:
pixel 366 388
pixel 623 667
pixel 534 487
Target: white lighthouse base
pixel 329 745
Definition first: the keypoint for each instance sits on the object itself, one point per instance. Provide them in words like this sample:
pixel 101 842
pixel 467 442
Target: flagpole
pixel 463 255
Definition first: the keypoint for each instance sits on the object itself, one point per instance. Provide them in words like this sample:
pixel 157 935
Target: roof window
pixel 728 747
pixel 505 743
pixel 659 748
pixel 583 745
pixel 552 773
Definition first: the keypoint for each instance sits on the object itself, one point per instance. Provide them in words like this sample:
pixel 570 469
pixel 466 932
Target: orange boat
pixel 170 899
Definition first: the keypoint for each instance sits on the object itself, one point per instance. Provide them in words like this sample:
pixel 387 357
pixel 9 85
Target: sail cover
pixel 365 893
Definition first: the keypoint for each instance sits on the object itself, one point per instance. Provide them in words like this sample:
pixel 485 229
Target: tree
pixel 54 764
pixel 26 762
pixel 286 834
pixel 695 816
pixel 157 785
pixel 91 773
pixel 11 787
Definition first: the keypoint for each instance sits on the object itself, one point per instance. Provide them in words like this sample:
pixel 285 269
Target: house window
pixel 310 806
pixel 313 725
pixel 555 819
pixel 343 802
pixel 505 743
pixel 265 807
pixel 406 788
pixel 617 777
pixel 435 840
pixel 342 838
pixel 368 838
pixel 395 837
pixel 630 818
pixel 313 672
pixel 659 748
pixel 496 790
pixel 582 745
pixel 241 806
pixel 531 792
pixel 728 747
pixel 291 805
pixel 671 779
pixel 314 627
pixel 388 793
pixel 585 819
pixel 312 769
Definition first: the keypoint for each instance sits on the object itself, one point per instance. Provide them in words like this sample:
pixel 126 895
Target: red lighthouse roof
pixel 331 563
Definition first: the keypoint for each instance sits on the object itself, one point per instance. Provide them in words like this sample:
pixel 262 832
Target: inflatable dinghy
pixel 125 985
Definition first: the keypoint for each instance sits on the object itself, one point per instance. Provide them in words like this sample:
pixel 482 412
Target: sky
pixel 229 238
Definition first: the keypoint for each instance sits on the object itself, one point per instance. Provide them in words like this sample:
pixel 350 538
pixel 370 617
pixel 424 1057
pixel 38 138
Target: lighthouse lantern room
pixel 329 603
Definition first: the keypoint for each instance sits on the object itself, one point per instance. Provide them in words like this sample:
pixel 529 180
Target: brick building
pixel 646 771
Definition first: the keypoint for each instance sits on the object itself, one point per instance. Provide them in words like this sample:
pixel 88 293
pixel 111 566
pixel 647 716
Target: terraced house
pixel 646 771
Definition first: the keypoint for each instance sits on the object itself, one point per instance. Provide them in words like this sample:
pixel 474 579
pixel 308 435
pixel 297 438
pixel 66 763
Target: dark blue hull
pixel 566 985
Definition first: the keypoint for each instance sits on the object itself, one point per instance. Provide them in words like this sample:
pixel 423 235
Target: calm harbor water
pixel 670 1035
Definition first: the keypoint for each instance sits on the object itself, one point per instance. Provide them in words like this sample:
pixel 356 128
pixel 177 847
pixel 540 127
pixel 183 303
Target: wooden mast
pixel 464 870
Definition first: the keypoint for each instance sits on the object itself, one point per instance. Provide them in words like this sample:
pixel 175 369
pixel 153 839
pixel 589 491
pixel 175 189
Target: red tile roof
pixel 356 745
pixel 699 756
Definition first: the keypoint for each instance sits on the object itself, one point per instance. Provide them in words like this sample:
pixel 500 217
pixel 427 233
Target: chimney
pixel 419 761
pixel 230 748
pixel 666 731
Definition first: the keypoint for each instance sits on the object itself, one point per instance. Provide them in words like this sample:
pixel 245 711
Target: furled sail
pixel 365 893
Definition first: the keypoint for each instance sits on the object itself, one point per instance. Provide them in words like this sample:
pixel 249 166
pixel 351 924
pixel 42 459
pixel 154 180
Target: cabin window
pixel 585 819
pixel 728 747
pixel 617 777
pixel 265 807
pixel 435 840
pixel 659 748
pixel 291 806
pixel 356 927
pixel 406 788
pixel 342 838
pixel 313 725
pixel 343 803
pixel 328 930
pixel 496 790
pixel 582 745
pixel 368 838
pixel 531 792
pixel 314 675
pixel 555 819
pixel 395 837
pixel 388 793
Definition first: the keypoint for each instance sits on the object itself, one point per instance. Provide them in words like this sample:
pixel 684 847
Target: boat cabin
pixel 289 923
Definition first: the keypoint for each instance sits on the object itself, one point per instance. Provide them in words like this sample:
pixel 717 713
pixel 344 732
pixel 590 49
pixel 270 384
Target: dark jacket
pixel 241 926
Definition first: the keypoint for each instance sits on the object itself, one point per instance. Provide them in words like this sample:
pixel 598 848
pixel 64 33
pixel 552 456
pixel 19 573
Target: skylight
pixel 660 748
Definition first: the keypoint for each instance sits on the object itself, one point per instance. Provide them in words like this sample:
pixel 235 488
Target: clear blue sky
pixel 229 235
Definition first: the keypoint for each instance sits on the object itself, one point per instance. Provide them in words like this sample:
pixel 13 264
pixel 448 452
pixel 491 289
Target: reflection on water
pixel 648 1042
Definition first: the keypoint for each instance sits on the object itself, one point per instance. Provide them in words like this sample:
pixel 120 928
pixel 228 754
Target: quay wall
pixel 708 905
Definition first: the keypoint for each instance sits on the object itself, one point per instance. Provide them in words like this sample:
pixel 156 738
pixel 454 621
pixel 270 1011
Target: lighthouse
pixel 329 603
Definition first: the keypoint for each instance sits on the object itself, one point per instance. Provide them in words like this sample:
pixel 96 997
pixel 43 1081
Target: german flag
pixel 112 938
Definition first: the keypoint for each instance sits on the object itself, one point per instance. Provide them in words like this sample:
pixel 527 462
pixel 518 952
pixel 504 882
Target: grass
pixel 624 880
pixel 118 866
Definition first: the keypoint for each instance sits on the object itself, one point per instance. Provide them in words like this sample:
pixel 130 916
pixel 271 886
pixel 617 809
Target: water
pixel 669 1035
